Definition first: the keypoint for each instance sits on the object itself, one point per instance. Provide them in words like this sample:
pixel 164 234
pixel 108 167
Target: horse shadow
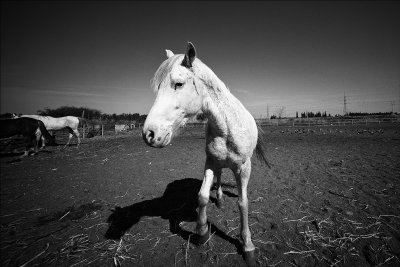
pixel 177 204
pixel 16 156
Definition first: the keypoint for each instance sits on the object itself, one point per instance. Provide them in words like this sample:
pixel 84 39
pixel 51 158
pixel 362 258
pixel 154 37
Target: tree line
pixel 304 115
pixel 90 114
pixel 94 114
pixel 313 115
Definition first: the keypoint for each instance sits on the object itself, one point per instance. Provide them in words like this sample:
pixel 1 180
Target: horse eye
pixel 178 85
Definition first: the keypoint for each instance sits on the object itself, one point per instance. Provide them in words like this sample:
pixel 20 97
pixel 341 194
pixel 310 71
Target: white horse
pixel 184 87
pixel 71 123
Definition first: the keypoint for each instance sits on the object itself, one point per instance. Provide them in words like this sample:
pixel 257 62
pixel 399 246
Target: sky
pixel 295 56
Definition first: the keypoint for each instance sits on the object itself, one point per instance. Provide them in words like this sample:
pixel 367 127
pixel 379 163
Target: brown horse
pixel 70 123
pixel 29 128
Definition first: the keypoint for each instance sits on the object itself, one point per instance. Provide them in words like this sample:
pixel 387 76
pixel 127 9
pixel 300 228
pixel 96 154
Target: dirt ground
pixel 331 198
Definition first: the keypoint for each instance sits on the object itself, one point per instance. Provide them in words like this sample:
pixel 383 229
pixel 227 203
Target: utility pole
pixel 267 112
pixel 344 105
pixel 399 99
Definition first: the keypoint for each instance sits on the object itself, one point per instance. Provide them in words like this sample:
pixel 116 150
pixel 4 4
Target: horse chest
pixel 223 152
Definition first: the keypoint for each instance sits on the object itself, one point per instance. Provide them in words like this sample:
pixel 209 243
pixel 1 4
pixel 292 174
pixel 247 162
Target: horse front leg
pixel 242 175
pixel 202 228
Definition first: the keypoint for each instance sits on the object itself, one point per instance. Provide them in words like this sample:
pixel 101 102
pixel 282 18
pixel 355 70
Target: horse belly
pixel 54 125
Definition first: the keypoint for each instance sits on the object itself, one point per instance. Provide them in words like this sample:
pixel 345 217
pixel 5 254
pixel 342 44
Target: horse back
pixel 52 123
pixel 19 126
pixel 73 122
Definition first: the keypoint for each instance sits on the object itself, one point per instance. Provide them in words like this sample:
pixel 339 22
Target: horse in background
pixel 70 123
pixel 185 86
pixel 30 129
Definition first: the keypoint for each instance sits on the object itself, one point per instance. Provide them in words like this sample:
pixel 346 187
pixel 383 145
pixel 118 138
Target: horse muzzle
pixel 155 137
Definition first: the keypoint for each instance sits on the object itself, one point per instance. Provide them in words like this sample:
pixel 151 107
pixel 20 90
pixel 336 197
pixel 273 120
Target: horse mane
pixel 35 115
pixel 201 71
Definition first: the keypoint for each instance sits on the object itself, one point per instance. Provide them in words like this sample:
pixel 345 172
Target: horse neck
pixel 221 107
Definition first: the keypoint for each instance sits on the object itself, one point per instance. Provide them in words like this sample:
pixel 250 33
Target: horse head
pixel 178 97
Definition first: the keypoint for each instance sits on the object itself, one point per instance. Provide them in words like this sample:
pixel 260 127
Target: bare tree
pixel 280 112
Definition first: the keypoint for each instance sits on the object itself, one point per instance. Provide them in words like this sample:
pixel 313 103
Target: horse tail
pixel 260 147
pixel 44 131
pixel 83 122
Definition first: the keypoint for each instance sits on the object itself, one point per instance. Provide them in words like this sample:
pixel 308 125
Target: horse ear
pixel 189 56
pixel 169 53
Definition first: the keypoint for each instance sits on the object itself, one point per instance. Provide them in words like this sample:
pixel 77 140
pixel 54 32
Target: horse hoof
pixel 202 239
pixel 250 258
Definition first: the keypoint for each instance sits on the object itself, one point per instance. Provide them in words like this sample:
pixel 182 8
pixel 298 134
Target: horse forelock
pixel 162 72
pixel 200 71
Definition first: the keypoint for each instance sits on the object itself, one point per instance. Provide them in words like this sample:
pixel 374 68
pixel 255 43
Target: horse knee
pixel 203 200
pixel 243 204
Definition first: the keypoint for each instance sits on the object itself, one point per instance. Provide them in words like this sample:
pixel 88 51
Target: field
pixel 330 198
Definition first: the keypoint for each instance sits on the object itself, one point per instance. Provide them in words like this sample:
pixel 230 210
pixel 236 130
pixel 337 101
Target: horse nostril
pixel 150 136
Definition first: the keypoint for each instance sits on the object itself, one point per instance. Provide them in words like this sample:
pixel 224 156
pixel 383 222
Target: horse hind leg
pixel 71 134
pixel 69 140
pixel 242 176
pixel 220 199
pixel 76 133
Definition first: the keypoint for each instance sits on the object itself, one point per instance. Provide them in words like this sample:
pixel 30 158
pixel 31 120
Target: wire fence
pixel 96 129
pixel 326 122
pixel 107 129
